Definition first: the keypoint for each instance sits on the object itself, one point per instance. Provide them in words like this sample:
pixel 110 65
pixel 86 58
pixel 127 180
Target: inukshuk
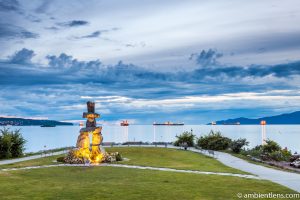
pixel 93 155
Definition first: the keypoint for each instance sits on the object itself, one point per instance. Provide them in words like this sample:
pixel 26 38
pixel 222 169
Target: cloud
pixel 92 35
pixel 65 67
pixel 9 31
pixel 23 56
pixel 9 5
pixel 73 23
pixel 206 58
pixel 98 33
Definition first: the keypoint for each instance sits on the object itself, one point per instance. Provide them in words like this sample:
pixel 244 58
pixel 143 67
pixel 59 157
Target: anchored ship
pixel 168 124
pixel 124 123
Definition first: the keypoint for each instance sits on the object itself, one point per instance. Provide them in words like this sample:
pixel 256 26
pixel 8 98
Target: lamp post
pixel 263 124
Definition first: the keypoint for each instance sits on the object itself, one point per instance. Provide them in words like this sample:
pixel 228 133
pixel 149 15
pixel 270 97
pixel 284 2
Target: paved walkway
pixel 288 179
pixel 135 167
pixel 16 160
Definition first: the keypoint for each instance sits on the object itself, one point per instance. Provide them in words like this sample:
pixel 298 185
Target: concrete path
pixel 134 167
pixel 4 162
pixel 288 179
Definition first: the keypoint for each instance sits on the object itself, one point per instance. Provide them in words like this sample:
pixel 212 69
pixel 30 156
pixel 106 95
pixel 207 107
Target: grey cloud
pixel 9 5
pixel 97 33
pixel 66 62
pixel 23 56
pixel 92 35
pixel 206 58
pixel 9 31
pixel 67 69
pixel 73 23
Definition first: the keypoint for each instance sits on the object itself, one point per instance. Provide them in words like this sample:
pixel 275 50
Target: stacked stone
pixel 83 141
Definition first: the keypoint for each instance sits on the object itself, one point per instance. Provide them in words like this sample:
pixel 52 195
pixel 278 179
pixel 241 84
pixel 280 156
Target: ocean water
pixel 43 138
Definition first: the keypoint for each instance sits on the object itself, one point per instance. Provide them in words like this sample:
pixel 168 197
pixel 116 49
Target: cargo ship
pixel 124 123
pixel 168 124
pixel 48 125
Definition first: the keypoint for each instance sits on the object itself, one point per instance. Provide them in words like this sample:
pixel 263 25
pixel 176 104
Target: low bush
pixel 60 159
pixel 214 141
pixel 187 138
pixel 270 151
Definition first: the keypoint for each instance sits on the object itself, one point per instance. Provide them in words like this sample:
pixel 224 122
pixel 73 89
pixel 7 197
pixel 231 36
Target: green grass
pixel 171 158
pixel 121 183
pixel 154 157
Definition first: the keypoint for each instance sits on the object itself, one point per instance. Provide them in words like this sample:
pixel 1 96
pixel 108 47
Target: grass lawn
pixel 154 157
pixel 121 183
pixel 171 158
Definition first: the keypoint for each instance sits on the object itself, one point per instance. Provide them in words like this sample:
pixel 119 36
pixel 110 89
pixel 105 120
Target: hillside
pixel 30 122
pixel 289 118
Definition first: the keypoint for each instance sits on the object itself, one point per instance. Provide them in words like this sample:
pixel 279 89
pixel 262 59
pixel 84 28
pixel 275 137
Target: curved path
pixel 288 179
pixel 16 160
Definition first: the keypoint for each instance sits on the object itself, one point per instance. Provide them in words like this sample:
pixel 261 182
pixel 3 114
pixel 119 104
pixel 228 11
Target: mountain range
pixel 289 118
pixel 30 122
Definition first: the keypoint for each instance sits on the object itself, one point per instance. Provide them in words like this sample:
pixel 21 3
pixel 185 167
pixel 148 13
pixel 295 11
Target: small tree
pixel 270 146
pixel 11 143
pixel 5 144
pixel 185 137
pixel 18 142
pixel 214 141
pixel 237 145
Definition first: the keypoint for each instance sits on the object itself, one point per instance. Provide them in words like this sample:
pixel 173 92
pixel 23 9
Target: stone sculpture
pixel 93 154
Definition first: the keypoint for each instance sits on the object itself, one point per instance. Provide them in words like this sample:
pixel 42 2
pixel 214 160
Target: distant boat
pixel 124 123
pixel 48 125
pixel 213 123
pixel 81 124
pixel 233 123
pixel 168 124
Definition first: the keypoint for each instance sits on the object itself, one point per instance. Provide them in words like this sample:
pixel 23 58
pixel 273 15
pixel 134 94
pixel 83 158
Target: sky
pixel 183 61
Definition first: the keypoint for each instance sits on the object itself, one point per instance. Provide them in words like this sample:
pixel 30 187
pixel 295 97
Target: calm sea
pixel 39 138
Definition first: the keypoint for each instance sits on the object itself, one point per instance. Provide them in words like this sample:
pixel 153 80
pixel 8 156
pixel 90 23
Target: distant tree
pixel 185 138
pixel 214 141
pixel 237 145
pixel 271 146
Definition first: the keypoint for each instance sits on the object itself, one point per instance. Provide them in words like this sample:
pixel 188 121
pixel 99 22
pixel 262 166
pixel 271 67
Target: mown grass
pixel 171 158
pixel 121 183
pixel 150 156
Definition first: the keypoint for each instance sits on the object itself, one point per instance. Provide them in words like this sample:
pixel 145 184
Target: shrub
pixel 214 141
pixel 11 143
pixel 270 146
pixel 5 145
pixel 60 159
pixel 18 142
pixel 185 137
pixel 237 145
pixel 270 151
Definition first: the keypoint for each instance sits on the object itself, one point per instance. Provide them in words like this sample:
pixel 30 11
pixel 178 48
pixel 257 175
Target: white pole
pixel 263 134
pixel 154 133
